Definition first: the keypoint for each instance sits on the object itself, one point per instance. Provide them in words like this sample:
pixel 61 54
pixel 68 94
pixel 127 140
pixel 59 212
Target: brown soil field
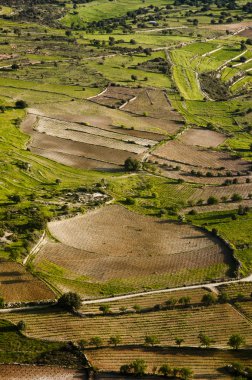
pixel 157 107
pixel 231 27
pixel 179 153
pixel 86 135
pixel 246 33
pixel 92 135
pixel 205 363
pixel 75 153
pixel 17 285
pixel 116 96
pixel 220 191
pixel 96 115
pixel 114 243
pixel 202 137
pixel 218 322
pixel 245 308
pixel 75 161
pixel 168 169
pixel 33 372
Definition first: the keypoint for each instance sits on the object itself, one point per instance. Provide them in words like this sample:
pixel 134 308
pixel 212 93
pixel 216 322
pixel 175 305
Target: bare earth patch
pixel 17 285
pixel 114 243
pixel 176 152
pixel 231 27
pixel 33 372
pixel 202 137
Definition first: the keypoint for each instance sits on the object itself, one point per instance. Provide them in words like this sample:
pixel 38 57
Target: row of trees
pixel 235 341
pixel 138 367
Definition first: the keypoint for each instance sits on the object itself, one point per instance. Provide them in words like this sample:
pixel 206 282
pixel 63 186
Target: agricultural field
pixel 145 256
pixel 31 372
pixel 19 285
pixel 217 321
pixel 125 150
pixel 110 359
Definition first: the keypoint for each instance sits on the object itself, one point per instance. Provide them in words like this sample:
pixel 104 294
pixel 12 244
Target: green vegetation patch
pixel 16 348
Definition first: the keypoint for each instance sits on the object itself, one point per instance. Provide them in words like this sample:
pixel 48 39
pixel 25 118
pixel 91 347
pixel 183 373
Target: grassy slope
pixel 16 348
pixel 237 232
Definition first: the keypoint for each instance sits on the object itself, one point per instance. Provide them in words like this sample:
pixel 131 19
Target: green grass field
pixel 234 229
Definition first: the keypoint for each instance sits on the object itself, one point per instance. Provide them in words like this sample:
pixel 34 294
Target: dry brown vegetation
pixel 17 285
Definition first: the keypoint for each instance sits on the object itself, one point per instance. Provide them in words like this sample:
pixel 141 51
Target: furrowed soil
pixel 17 285
pixel 33 372
pixel 112 243
pixel 110 359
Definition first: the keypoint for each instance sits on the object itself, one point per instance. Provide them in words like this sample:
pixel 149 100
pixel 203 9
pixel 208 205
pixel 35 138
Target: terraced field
pixel 146 301
pixel 191 156
pixel 88 135
pixel 110 359
pixel 218 322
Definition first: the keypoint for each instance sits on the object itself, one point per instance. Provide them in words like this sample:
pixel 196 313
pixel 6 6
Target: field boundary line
pixel 140 294
pixel 36 248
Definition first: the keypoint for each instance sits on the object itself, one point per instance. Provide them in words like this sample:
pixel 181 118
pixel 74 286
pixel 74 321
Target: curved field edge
pixel 93 265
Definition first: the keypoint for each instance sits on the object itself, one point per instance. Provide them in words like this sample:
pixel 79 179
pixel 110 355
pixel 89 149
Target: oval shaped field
pixel 115 244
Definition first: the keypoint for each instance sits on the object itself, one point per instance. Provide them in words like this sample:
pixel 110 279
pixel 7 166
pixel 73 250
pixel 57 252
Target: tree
pixel 14 198
pixel 131 164
pixel 186 373
pixel 212 201
pixel 96 341
pixel 151 340
pixel 236 197
pixel 223 297
pixel 115 340
pixel 14 66
pixel 70 301
pixel 1 303
pixel 165 370
pixel 235 341
pixel 21 326
pixel 171 302
pixel 208 299
pixel 184 300
pixel 125 369
pixel 179 341
pixel 139 367
pixel 137 308
pixel 21 104
pixel 105 309
pixel 205 340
